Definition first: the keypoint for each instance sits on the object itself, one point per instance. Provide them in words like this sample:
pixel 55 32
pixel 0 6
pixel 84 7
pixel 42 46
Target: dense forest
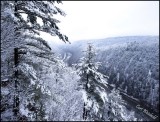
pixel 132 64
pixel 72 83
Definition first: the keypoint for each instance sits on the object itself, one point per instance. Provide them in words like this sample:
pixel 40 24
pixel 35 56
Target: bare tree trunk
pixel 16 96
pixel 85 112
pixel 84 109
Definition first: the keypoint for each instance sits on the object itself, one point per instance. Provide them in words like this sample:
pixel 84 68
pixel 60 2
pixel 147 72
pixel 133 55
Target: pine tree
pixel 93 84
pixel 99 104
pixel 31 54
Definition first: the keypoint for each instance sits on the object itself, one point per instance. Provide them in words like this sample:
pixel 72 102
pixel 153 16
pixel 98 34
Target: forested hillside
pixel 132 64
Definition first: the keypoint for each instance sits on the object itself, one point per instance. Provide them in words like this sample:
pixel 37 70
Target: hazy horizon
pixel 59 42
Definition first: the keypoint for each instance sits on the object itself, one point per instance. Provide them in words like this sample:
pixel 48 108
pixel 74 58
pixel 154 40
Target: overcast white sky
pixel 101 19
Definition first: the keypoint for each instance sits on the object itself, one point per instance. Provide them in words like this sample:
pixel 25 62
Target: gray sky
pixel 101 19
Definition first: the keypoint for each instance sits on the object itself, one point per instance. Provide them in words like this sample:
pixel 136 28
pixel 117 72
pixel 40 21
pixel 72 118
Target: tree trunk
pixel 84 109
pixel 84 112
pixel 16 96
pixel 16 61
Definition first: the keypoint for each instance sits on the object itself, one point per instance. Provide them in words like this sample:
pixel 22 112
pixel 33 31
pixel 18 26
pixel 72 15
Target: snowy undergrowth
pixel 65 102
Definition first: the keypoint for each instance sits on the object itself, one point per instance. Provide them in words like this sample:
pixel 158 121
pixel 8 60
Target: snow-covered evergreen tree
pixel 93 84
pixel 99 103
pixel 31 55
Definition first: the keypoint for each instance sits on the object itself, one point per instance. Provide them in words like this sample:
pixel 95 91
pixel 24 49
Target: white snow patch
pixel 32 82
pixel 4 80
pixel 95 107
pixel 4 91
pixel 88 85
pixel 23 111
pixel 84 95
pixel 103 96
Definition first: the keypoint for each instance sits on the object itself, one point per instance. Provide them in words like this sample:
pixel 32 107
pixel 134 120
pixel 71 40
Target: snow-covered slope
pixel 132 63
pixel 77 47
